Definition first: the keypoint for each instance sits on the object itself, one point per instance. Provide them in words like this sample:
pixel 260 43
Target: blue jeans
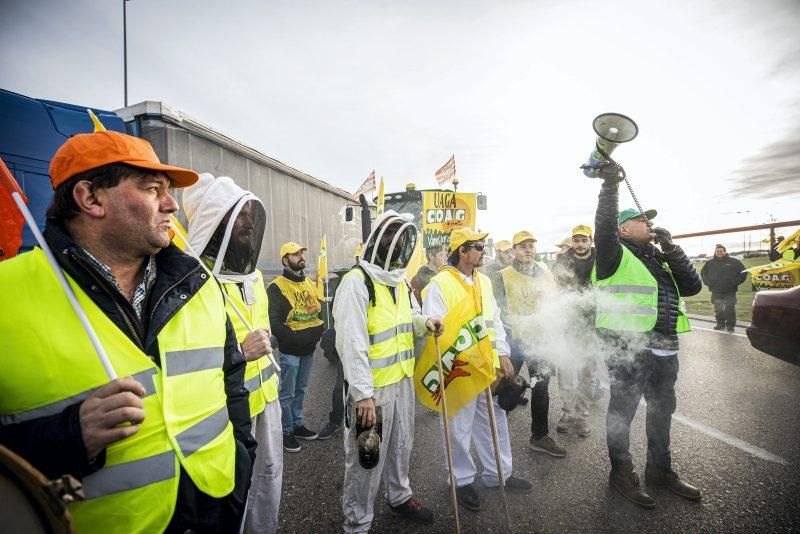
pixel 295 371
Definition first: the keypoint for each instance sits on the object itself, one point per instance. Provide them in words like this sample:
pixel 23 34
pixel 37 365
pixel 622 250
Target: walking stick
pixel 496 441
pixel 453 499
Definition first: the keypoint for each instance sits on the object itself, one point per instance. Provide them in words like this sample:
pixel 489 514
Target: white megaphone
pixel 612 130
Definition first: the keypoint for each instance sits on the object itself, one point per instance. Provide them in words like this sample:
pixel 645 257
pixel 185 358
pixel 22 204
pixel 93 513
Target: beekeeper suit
pixel 226 227
pixel 376 318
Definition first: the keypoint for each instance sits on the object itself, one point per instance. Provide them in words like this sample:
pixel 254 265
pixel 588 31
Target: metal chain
pixel 635 200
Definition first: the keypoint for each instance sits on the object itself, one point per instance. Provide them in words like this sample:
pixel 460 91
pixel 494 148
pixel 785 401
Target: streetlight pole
pixel 125 46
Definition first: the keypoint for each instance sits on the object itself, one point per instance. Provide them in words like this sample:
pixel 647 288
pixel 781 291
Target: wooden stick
pixel 496 441
pixel 442 398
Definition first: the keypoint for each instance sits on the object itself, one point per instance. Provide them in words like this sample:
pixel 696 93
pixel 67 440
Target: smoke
pixel 560 333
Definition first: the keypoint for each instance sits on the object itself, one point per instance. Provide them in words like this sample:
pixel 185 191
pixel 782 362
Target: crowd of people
pixel 212 363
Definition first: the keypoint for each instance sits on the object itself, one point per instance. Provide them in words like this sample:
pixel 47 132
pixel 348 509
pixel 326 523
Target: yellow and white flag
pixel 379 202
pixel 367 187
pixel 178 233
pixel 467 360
pixel 322 269
pixel 447 172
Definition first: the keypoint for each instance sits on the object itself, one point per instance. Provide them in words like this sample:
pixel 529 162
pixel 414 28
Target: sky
pixel 510 87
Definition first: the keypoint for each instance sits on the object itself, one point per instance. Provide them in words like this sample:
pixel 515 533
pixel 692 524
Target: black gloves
pixel 663 238
pixel 610 171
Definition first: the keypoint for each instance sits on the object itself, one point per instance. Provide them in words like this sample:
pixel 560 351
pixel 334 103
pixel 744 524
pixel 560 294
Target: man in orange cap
pixel 165 447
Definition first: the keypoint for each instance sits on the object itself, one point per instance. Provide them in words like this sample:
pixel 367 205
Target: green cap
pixel 631 213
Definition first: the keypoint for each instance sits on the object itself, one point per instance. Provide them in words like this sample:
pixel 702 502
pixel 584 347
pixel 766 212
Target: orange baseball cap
pixel 84 152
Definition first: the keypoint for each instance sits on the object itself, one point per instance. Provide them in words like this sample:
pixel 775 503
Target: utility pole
pixel 125 46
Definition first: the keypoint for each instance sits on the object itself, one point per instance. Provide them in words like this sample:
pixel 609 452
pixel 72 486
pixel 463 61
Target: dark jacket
pixel 421 280
pixel 54 444
pixel 723 275
pixel 609 255
pixel 297 343
pixel 574 273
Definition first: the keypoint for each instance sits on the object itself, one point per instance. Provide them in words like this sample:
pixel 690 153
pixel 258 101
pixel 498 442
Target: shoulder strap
pixel 368 283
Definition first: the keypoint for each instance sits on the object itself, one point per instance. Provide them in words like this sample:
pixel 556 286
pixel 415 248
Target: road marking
pixel 730 440
pixel 718 331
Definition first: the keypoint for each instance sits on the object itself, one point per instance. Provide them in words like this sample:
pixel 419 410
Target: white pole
pixel 87 326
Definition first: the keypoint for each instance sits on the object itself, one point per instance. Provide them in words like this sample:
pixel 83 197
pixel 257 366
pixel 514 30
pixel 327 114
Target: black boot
pixel 667 478
pixel 626 482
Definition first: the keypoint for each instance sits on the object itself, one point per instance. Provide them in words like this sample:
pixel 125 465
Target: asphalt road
pixel 735 435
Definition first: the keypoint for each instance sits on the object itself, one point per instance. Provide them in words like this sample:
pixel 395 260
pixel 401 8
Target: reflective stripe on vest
pixel 262 390
pixel 453 293
pixel 391 333
pixel 628 299
pixel 136 489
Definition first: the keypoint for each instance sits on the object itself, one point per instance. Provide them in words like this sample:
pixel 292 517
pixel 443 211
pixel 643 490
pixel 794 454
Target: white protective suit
pixel 471 423
pixel 396 400
pixel 205 204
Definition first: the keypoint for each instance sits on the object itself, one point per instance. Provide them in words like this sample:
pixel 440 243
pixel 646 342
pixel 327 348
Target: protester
pixel 377 318
pixel 455 282
pixel 723 275
pixel 328 344
pixel 503 256
pixel 791 253
pixel 563 246
pixel 519 288
pixel 437 257
pixel 294 317
pixel 640 312
pixel 226 225
pixel 576 382
pixel 167 446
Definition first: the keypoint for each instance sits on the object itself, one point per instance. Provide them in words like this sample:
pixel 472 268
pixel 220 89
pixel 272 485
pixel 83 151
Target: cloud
pixel 772 173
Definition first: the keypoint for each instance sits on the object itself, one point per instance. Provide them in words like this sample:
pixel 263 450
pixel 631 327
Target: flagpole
pixel 327 304
pixel 496 442
pixel 87 326
pixel 443 399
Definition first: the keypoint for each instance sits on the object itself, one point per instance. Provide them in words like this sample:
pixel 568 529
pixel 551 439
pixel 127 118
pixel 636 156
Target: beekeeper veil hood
pixel 226 226
pixel 391 243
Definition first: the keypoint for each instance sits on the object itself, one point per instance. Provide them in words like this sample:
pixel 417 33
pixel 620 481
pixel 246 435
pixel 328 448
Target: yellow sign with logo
pixel 780 274
pixel 467 361
pixel 443 212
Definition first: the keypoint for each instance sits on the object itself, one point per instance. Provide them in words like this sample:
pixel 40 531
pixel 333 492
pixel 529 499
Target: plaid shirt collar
pixel 141 290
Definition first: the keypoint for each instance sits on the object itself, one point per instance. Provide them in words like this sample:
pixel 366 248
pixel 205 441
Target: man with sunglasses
pixel 640 312
pixel 456 281
pixel 519 289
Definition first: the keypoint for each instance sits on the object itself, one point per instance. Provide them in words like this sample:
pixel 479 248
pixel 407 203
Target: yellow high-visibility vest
pixel 391 333
pixel 522 296
pixel 48 364
pixel 454 291
pixel 628 299
pixel 260 378
pixel 302 297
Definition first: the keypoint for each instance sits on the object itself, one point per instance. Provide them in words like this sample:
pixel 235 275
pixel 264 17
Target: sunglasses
pixel 477 246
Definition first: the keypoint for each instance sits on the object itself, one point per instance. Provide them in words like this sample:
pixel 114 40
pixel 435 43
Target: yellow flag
pixel 178 233
pixel 416 261
pixel 467 361
pixel 322 269
pixel 788 243
pixel 380 198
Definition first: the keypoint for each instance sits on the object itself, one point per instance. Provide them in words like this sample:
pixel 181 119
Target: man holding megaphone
pixel 640 312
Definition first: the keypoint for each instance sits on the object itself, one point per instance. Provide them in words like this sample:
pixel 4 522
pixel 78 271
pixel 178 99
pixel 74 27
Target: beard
pixel 297 266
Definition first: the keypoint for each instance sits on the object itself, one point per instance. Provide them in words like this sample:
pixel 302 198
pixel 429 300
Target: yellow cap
pixel 290 248
pixel 503 245
pixel 524 235
pixel 566 242
pixel 582 229
pixel 462 234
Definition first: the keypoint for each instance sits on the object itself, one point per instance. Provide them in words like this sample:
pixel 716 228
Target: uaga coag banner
pixel 444 211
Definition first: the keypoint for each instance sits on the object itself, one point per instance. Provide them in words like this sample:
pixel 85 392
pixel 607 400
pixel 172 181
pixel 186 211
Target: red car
pixel 775 328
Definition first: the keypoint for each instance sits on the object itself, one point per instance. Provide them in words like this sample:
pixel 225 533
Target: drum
pixel 31 502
